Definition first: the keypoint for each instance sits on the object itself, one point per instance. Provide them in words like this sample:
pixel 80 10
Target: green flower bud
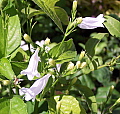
pixel 51 71
pixel 5 82
pixel 27 38
pixel 70 66
pixel 83 64
pixel 74 7
pixel 47 41
pixel 82 54
pixel 51 62
pixel 78 64
pixel 75 22
pixel 74 80
pixel 111 90
pixel 78 20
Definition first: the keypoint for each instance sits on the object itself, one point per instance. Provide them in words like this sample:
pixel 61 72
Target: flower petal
pixel 35 89
pixel 91 22
pixel 31 70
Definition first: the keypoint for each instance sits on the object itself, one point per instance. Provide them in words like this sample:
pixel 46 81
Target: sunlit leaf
pixel 6 69
pixel 68 105
pixel 10 33
pixel 112 25
pixel 67 56
pixel 48 7
pixel 12 106
pixel 66 46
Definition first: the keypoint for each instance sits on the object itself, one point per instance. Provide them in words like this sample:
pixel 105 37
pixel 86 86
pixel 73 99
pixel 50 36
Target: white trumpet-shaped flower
pixel 91 22
pixel 35 89
pixel 31 70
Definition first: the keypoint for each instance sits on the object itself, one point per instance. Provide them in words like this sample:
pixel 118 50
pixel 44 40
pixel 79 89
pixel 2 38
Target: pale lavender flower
pixel 58 67
pixel 91 22
pixel 35 89
pixel 31 70
pixel 41 44
pixel 25 47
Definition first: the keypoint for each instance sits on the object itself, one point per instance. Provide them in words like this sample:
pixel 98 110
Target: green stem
pixel 10 90
pixel 61 42
pixel 55 82
pixel 36 107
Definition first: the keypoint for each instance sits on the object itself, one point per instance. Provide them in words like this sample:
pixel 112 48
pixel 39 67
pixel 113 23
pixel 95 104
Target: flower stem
pixel 36 107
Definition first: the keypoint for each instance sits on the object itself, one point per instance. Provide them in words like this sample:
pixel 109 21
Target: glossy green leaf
pixel 10 35
pixel 48 7
pixel 102 75
pixel 87 81
pixel 12 106
pixel 66 46
pixel 91 100
pixel 102 93
pixel 6 69
pixel 92 43
pixel 68 105
pixel 112 25
pixel 67 56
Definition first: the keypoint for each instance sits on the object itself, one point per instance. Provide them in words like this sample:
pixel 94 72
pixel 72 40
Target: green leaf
pixel 66 46
pixel 92 43
pixel 12 106
pixel 33 12
pixel 87 81
pixel 19 66
pixel 61 13
pixel 102 93
pixel 102 75
pixel 6 69
pixel 48 7
pixel 68 105
pixel 112 25
pixel 67 56
pixel 91 100
pixel 10 35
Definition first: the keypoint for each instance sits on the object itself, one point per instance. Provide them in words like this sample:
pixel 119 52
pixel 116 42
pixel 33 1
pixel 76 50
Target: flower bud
pixel 5 82
pixel 111 68
pixel 51 62
pixel 78 64
pixel 111 90
pixel 82 54
pixel 70 66
pixel 74 7
pixel 47 41
pixel 51 71
pixel 27 38
pixel 74 80
pixel 83 64
pixel 78 20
